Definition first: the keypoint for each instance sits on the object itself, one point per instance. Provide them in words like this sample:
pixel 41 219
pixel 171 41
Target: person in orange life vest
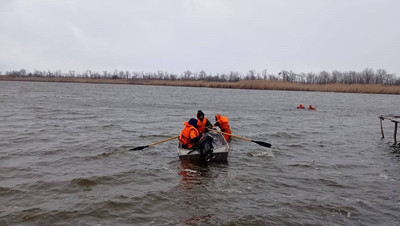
pixel 189 135
pixel 310 107
pixel 223 124
pixel 300 106
pixel 202 122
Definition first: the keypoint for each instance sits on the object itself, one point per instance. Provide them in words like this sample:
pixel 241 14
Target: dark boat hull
pixel 219 157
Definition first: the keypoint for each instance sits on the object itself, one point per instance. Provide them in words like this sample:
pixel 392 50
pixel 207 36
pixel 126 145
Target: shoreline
pixel 243 84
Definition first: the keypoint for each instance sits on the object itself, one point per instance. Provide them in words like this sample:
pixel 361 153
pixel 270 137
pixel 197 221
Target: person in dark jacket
pixel 202 122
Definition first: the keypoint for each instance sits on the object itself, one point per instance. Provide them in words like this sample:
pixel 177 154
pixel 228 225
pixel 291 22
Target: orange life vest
pixel 223 122
pixel 311 108
pixel 201 126
pixel 300 106
pixel 187 134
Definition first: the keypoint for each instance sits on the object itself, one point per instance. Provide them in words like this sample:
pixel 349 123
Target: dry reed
pixel 243 84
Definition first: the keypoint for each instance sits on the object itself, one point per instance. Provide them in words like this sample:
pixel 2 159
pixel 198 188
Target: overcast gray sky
pixel 216 36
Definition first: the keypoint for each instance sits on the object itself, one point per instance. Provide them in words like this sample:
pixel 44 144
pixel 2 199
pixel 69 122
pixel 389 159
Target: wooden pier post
pixel 395 133
pixel 392 118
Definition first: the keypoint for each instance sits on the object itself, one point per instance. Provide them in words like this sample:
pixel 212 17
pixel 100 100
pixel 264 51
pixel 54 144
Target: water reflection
pixel 326 154
pixel 199 182
pixel 201 172
pixel 193 174
pixel 196 220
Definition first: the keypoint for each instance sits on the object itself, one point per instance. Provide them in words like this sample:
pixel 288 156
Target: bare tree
pixel 22 72
pixel 173 76
pixel 379 76
pixel 251 75
pixel 368 75
pixel 310 78
pixel 71 73
pixel 127 74
pixel 301 77
pixel 388 79
pixel 234 76
pixel 292 76
pixel 202 75
pixel 223 77
pixel 264 74
pixel 323 77
pixel 336 77
pixel 187 75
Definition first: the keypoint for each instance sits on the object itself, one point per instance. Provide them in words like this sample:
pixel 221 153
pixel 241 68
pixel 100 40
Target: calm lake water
pixel 64 157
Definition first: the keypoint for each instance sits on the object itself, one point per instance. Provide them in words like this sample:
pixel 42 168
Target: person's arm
pixel 208 125
pixel 193 137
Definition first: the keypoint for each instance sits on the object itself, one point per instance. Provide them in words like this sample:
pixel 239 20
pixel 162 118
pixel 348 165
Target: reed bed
pixel 243 84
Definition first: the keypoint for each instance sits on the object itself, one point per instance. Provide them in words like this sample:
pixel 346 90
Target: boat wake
pixel 268 154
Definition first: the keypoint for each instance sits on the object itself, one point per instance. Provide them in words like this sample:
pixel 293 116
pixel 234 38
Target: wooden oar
pixel 262 143
pixel 158 142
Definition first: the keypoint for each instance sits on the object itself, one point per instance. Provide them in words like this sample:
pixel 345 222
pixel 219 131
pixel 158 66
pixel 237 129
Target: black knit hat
pixel 193 122
pixel 199 113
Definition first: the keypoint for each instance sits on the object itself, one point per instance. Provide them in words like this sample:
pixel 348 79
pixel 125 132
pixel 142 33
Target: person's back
pixel 223 124
pixel 189 135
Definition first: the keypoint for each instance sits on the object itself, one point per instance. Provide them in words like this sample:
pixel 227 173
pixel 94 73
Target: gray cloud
pixel 212 35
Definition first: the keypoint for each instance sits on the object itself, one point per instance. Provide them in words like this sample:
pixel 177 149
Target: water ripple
pixel 64 158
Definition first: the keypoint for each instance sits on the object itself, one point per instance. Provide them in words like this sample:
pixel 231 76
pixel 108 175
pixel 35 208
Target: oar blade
pixel 138 148
pixel 262 143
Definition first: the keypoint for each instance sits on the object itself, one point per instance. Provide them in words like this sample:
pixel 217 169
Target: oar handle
pixel 243 138
pixel 162 141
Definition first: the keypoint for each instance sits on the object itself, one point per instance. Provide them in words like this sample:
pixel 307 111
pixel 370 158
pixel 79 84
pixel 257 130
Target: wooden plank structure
pixel 392 118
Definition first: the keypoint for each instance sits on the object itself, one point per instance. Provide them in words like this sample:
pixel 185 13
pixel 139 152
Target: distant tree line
pixel 367 76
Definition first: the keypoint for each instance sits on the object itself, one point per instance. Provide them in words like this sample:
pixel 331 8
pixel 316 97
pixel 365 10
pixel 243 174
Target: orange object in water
pixel 310 107
pixel 300 106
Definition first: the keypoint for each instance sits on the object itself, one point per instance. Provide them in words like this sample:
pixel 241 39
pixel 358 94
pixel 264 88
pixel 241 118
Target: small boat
pixel 220 150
